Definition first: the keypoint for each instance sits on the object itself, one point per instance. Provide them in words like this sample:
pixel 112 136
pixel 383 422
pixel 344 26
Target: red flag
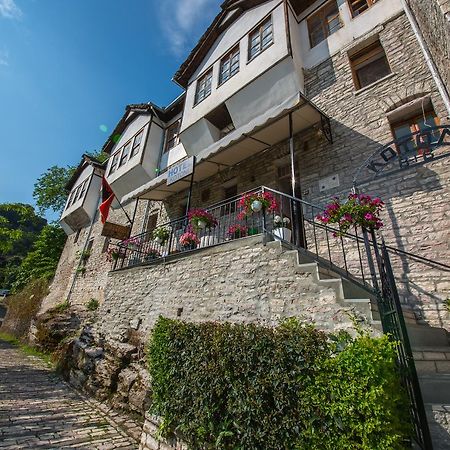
pixel 107 199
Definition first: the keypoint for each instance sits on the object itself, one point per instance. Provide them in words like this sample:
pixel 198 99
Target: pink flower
pixel 369 216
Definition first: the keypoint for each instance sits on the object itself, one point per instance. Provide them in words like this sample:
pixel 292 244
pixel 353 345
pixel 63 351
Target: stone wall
pixel 80 287
pixel 433 17
pixel 239 281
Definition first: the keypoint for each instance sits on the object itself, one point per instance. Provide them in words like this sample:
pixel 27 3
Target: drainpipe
pixel 427 55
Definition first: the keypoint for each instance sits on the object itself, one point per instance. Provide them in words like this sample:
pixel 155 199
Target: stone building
pixel 309 99
pixel 349 76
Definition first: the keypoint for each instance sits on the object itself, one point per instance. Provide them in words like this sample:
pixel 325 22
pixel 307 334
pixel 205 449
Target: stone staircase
pixel 431 351
pixel 348 294
pixel 430 345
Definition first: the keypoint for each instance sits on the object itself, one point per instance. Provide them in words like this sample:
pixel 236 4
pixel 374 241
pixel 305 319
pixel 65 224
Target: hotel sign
pixel 181 170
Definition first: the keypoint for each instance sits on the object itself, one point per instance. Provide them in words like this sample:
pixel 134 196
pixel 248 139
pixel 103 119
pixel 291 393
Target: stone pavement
pixel 38 410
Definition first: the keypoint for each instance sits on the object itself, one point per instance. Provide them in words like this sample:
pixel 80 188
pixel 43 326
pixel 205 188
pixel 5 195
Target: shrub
pixel 92 304
pixel 229 386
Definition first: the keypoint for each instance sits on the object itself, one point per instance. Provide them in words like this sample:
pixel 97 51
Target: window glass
pixel 403 129
pixel 172 136
pixel 229 65
pixel 114 162
pixel 125 153
pixel 136 143
pixel 323 23
pixel 203 87
pixel 369 65
pixel 359 6
pixel 260 38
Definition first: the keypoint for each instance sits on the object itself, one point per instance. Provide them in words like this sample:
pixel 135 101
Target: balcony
pixel 82 203
pixel 292 116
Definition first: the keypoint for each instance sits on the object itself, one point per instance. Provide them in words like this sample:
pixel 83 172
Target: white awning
pixel 261 133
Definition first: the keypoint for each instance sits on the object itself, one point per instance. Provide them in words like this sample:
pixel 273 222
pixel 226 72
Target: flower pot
pixel 282 234
pixel 207 241
pixel 192 246
pixel 252 231
pixel 158 240
pixel 201 224
pixel 256 206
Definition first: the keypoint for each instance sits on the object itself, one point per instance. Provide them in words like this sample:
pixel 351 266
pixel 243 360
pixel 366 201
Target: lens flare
pixel 103 128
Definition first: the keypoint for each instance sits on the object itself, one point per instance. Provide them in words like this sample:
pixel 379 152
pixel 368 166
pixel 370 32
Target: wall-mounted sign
pixel 116 231
pixel 179 171
pixel 406 151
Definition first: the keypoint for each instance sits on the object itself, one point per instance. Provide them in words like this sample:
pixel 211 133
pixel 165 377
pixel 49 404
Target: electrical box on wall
pixel 329 183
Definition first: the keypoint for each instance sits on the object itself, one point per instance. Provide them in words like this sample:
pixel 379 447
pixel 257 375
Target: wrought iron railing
pixel 144 248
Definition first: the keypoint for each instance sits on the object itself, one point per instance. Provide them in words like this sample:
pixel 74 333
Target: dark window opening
pixel 204 85
pixel 260 38
pixel 221 119
pixel 125 153
pixel 369 65
pixel 172 134
pixel 106 244
pixel 229 65
pixel 136 143
pixel 359 6
pixel 230 193
pixel 323 23
pixel 404 127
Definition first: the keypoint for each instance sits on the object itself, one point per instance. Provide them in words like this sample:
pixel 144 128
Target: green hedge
pixel 226 386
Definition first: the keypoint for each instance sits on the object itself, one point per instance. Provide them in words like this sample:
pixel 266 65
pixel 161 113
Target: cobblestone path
pixel 38 410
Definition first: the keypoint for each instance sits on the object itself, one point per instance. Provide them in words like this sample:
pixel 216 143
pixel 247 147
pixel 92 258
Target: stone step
pixel 425 336
pixel 435 388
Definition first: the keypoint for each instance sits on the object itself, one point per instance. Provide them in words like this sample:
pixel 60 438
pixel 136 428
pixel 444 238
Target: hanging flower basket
pixel 255 202
pixel 201 219
pixel 360 210
pixel 161 235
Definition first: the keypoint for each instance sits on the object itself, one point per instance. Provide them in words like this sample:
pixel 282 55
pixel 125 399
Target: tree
pixel 19 229
pixel 50 189
pixel 42 261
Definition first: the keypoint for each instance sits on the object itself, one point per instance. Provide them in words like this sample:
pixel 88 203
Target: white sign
pixel 180 170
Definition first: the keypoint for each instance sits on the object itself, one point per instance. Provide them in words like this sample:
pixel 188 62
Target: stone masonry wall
pixel 240 281
pixel 92 282
pixel 433 17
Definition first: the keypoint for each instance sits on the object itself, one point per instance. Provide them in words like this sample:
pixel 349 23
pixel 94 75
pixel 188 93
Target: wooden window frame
pixel 235 52
pixel 124 158
pixel 202 82
pixel 174 139
pixel 114 162
pixel 258 31
pixel 363 58
pixel 135 146
pixel 412 122
pixel 321 14
pixel 369 3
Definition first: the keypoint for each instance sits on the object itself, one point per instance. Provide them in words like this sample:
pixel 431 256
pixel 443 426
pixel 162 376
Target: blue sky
pixel 69 67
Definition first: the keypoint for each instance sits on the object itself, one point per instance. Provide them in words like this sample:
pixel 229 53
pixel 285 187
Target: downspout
pixel 427 55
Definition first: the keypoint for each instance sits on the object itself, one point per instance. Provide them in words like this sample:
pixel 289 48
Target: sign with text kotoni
pixel 179 171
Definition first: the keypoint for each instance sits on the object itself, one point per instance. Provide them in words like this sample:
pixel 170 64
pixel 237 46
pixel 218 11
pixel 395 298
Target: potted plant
pixel 160 235
pixel 201 219
pixel 151 255
pixel 237 231
pixel 359 210
pixel 189 240
pixel 281 230
pixel 255 202
pixel 115 253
